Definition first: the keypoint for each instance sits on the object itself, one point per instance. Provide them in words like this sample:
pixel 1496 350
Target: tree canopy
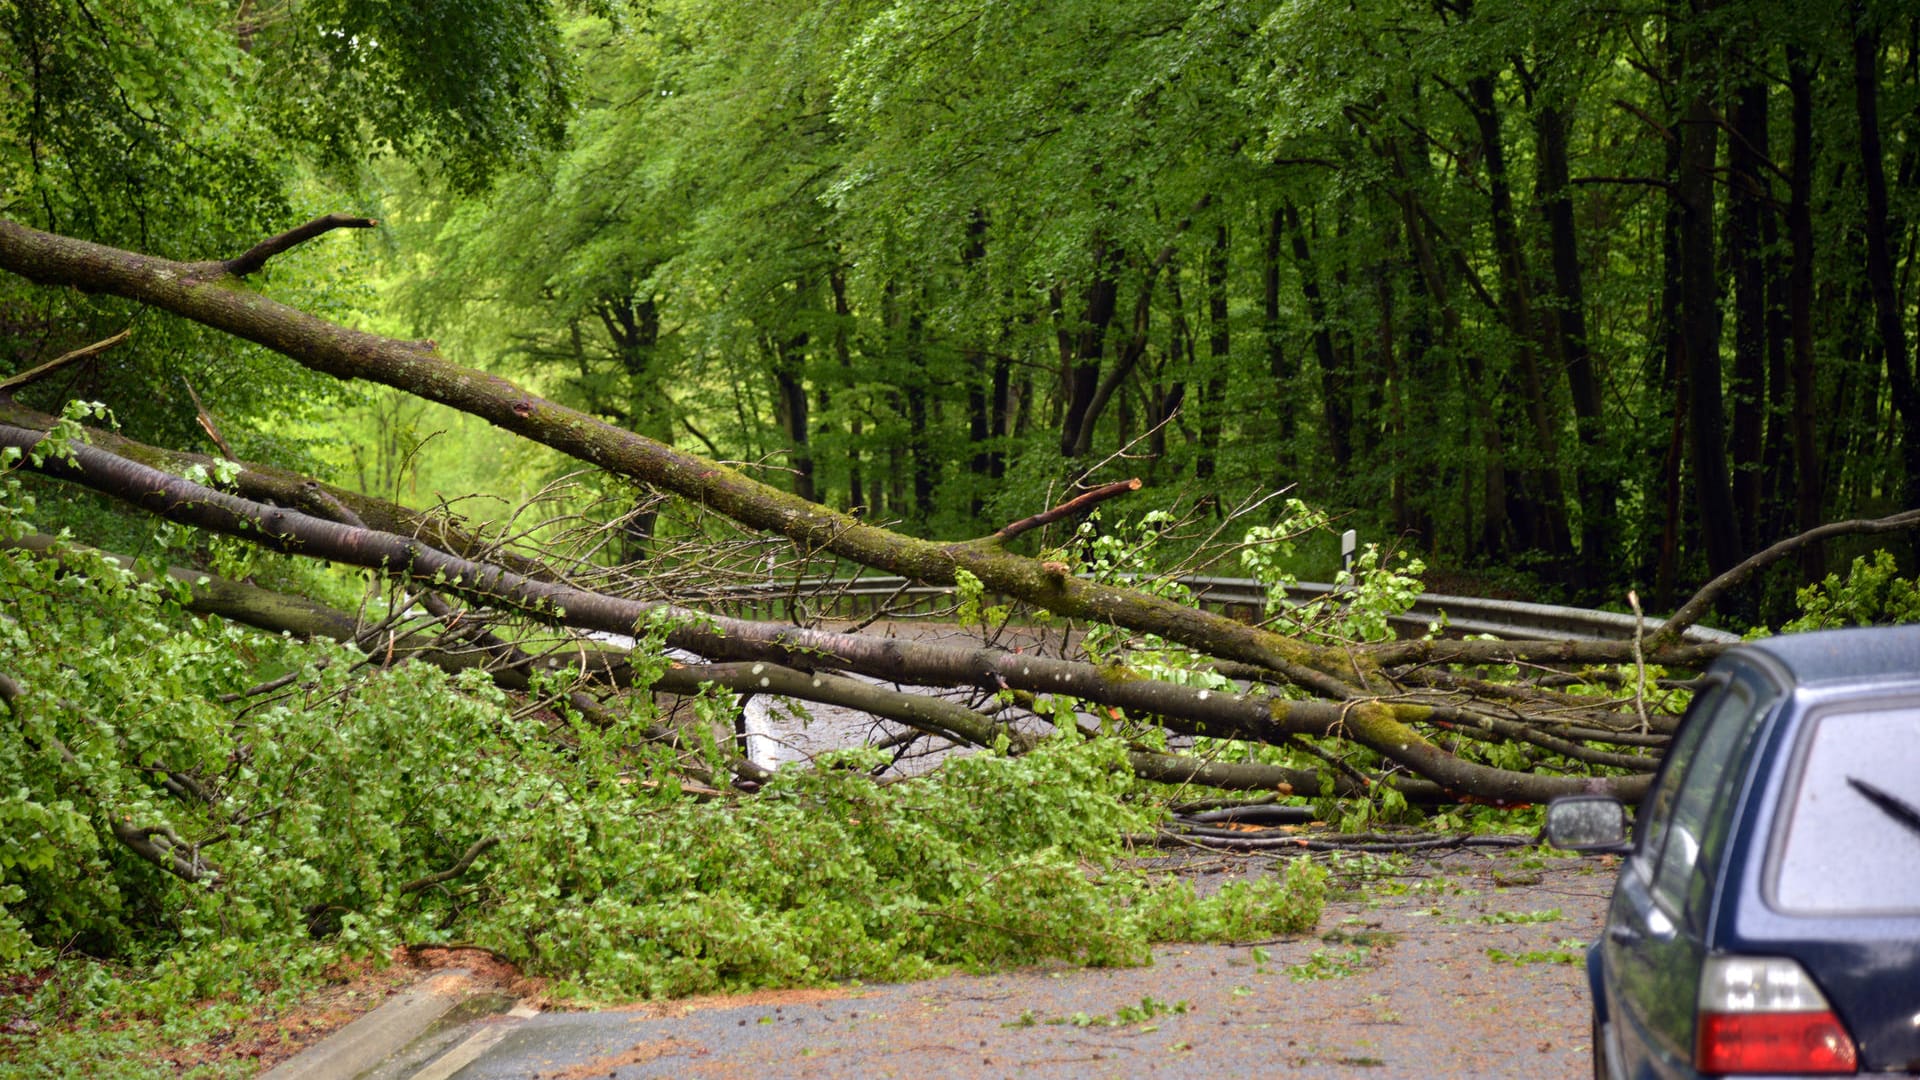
pixel 1619 293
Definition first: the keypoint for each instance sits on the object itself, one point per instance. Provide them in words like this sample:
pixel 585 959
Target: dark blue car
pixel 1767 917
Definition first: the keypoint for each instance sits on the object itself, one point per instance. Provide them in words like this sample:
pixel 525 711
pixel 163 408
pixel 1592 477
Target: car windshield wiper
pixel 1896 807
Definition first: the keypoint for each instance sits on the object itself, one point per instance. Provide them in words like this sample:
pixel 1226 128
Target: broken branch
pixel 1079 504
pixel 205 420
pixel 33 374
pixel 345 353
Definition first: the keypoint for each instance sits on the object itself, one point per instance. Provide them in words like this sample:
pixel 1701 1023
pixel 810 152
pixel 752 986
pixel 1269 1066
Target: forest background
pixel 1585 297
pixel 1615 295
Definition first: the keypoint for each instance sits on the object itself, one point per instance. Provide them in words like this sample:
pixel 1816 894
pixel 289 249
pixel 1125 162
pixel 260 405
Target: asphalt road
pixel 1466 966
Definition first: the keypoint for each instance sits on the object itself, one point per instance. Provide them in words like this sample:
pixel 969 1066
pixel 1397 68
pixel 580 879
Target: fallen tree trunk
pixel 1376 696
pixel 276 612
pixel 1383 726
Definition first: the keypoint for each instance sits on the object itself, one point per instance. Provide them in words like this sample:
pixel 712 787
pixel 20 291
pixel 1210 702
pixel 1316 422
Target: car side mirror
pixel 1587 823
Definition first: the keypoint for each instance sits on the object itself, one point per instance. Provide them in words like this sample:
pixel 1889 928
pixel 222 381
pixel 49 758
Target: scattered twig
pixel 1264 814
pixel 267 687
pixel 15 382
pixel 1365 842
pixel 883 608
pixel 1639 660
pixel 1200 806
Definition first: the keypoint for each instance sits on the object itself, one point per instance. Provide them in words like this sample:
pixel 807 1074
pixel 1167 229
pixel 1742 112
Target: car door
pixel 1656 929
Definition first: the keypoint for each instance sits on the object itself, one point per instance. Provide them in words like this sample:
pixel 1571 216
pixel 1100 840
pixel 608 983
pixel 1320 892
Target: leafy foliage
pixel 315 795
pixel 1873 593
pixel 474 85
pixel 1364 597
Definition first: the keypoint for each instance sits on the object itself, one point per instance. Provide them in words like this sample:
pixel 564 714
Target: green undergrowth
pixel 332 815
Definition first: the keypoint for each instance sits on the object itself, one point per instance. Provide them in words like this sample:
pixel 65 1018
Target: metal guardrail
pixel 1242 598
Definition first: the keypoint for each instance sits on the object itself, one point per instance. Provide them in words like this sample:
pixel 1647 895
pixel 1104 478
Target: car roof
pixel 1846 655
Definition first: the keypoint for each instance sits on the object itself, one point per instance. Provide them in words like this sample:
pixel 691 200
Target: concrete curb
pixel 469 1051
pixel 373 1038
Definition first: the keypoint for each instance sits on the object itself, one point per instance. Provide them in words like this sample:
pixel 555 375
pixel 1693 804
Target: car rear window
pixel 1852 843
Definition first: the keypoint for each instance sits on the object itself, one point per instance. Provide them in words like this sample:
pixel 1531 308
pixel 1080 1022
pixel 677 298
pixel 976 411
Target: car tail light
pixel 1765 1015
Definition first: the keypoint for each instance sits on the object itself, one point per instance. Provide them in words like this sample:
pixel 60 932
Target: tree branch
pixel 924 713
pixel 165 851
pixel 256 256
pixel 1079 504
pixel 698 632
pixel 269 483
pixel 15 382
pixel 1394 653
pixel 1691 611
pixel 474 851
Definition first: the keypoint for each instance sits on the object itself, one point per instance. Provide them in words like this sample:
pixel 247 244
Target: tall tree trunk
pixel 1667 389
pixel 979 431
pixel 1089 345
pixel 1748 197
pixel 791 405
pixel 1334 409
pixel 1568 326
pixel 1492 514
pixel 1281 368
pixel 632 323
pixel 1776 456
pixel 1219 350
pixel 1419 398
pixel 1337 382
pixel 1546 495
pixel 1700 320
pixel 890 493
pixel 890 487
pixel 1388 389
pixel 1002 407
pixel 926 465
pixel 1162 399
pixel 843 352
pixel 1134 347
pixel 1136 344
pixel 974 368
pixel 1886 305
